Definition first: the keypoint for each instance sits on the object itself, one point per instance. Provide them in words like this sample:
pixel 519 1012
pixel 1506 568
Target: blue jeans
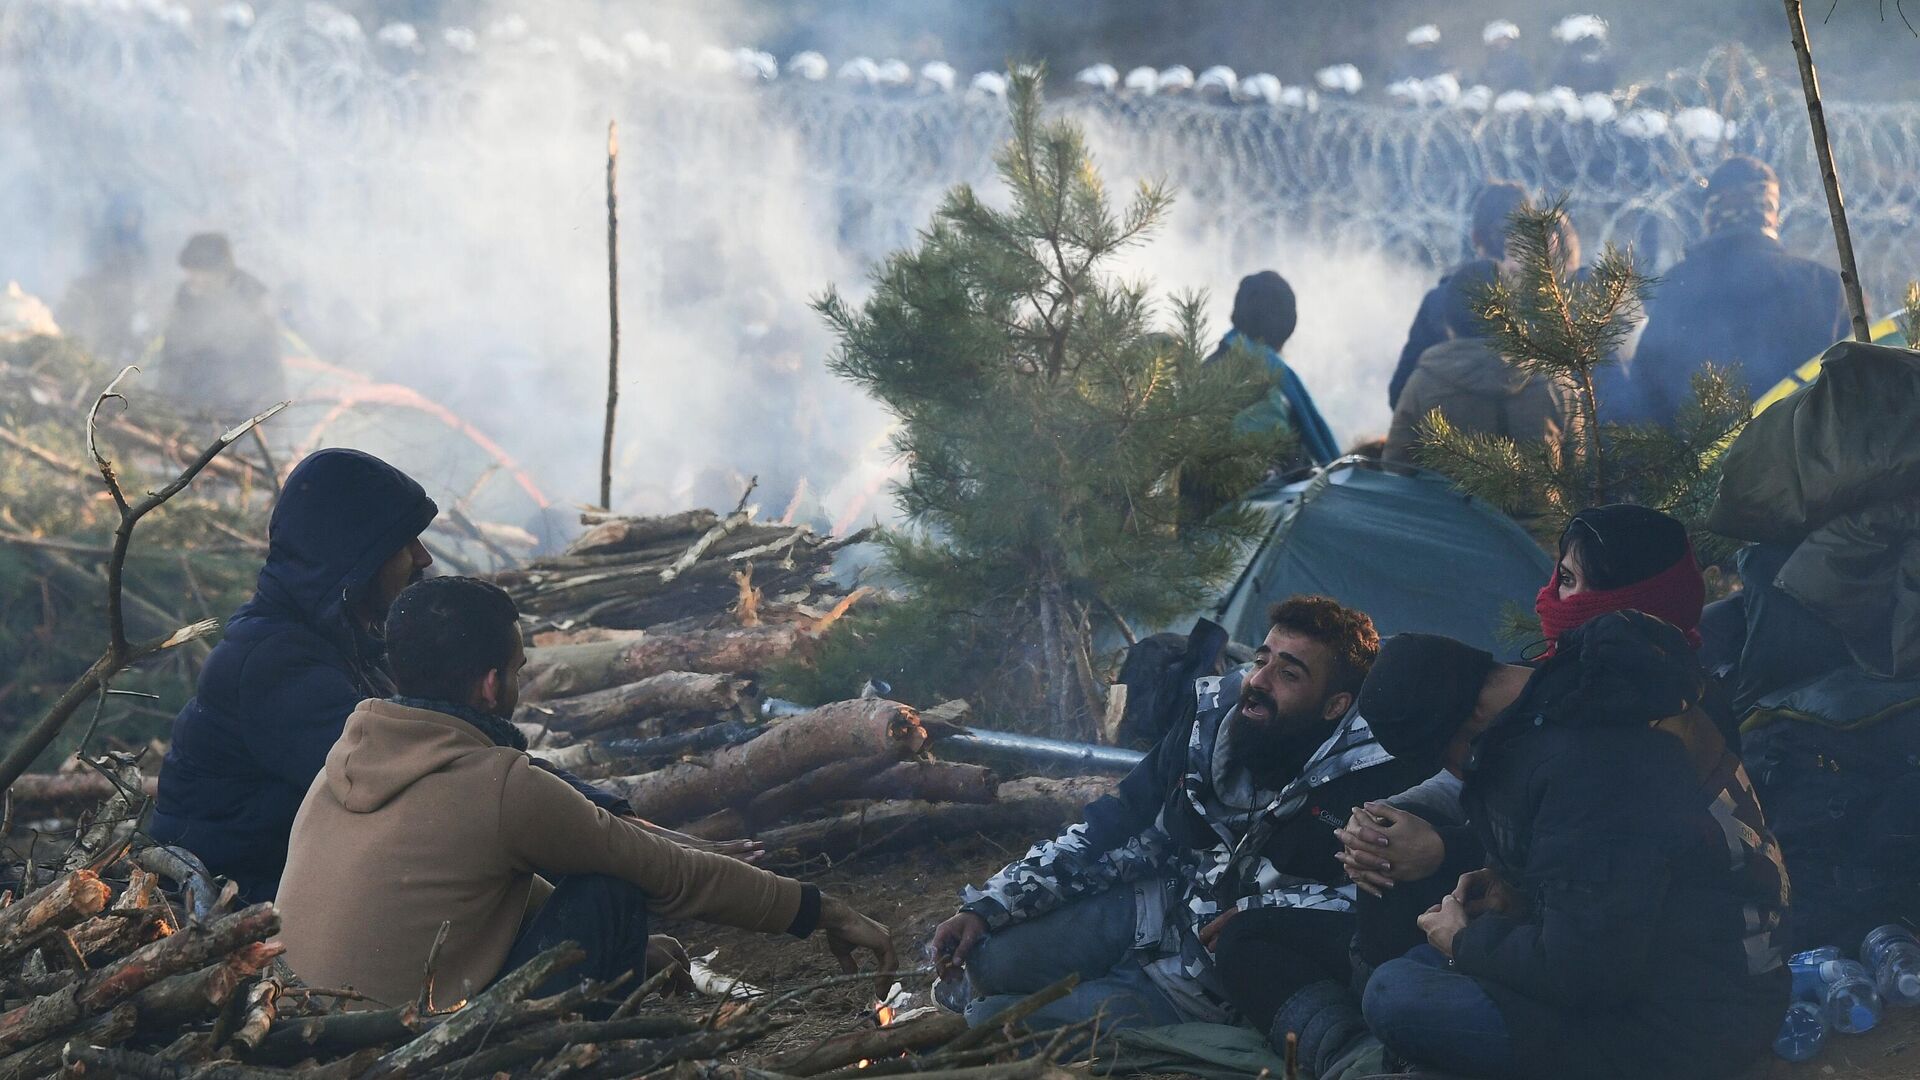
pixel 606 916
pixel 1092 937
pixel 1431 1015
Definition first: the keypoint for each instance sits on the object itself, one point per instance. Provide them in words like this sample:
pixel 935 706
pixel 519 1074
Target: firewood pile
pixel 649 637
pixel 123 959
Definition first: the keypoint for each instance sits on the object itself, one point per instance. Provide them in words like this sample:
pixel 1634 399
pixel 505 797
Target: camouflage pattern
pixel 1194 885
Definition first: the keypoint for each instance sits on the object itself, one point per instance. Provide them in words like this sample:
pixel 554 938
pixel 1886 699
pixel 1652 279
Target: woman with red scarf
pixel 1622 558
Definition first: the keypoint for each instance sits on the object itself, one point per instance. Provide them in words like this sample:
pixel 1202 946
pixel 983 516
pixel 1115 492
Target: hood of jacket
pixel 385 747
pixel 1471 364
pixel 1622 669
pixel 341 515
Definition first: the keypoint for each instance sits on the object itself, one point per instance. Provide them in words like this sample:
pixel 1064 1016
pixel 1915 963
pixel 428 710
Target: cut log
pixel 44 1058
pixel 627 533
pixel 70 900
pixel 336 1034
pixel 189 998
pixel 568 670
pixel 37 792
pixel 586 635
pixel 1031 807
pixel 536 1043
pixel 667 693
pixel 832 733
pixel 583 756
pixel 458 1033
pixel 187 950
pixel 874 1045
pixel 880 777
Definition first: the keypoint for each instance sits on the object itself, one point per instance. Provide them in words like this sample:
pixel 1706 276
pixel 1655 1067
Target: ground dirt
pixel 913 892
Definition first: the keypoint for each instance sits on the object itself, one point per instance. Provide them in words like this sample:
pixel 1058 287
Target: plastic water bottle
pixel 1852 1004
pixel 1893 955
pixel 1805 966
pixel 1802 1033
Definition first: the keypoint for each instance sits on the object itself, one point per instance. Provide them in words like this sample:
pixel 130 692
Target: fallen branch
pixel 875 1045
pixel 120 653
pixel 657 695
pixel 567 670
pixel 1021 807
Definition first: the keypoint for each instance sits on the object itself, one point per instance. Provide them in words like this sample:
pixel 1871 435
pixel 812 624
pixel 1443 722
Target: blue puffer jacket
pixel 292 664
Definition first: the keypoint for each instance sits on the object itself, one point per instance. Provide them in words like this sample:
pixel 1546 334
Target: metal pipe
pixel 1033 748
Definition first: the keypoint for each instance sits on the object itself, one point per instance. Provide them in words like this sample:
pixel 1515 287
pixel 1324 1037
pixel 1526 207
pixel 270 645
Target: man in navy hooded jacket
pixel 344 541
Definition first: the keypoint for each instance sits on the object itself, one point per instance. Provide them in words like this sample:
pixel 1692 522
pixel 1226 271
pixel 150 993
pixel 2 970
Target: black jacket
pixel 291 666
pixel 1608 798
pixel 1738 297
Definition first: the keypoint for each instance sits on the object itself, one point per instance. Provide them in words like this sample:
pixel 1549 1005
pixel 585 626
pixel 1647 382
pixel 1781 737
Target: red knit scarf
pixel 1675 595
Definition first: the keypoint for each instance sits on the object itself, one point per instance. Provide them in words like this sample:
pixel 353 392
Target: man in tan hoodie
pixel 430 810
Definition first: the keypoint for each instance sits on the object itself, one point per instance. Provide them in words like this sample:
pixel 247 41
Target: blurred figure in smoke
pixel 1264 317
pixel 221 356
pixel 1586 64
pixel 1738 297
pixel 106 307
pixel 1504 68
pixel 1422 59
pixel 1488 215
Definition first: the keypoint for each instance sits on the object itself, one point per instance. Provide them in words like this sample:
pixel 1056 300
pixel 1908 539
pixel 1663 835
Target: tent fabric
pixel 1401 544
pixel 1847 440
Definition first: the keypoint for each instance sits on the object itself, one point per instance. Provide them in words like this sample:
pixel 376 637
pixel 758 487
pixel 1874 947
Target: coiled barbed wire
pixel 123 99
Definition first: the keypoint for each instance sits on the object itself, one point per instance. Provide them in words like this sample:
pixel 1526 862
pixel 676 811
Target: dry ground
pixel 913 892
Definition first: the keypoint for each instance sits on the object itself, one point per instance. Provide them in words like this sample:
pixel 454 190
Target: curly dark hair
pixel 1348 634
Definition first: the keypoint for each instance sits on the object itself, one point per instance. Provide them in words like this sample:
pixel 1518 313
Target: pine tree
pixel 1554 324
pixel 1049 417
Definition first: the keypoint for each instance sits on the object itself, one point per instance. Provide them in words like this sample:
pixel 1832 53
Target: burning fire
pixel 883 1014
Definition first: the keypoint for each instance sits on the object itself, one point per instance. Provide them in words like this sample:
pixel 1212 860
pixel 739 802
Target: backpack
pixel 1159 674
pixel 1836 763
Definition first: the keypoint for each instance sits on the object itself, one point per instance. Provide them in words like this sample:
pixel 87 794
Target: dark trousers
pixel 1388 927
pixel 1267 955
pixel 605 916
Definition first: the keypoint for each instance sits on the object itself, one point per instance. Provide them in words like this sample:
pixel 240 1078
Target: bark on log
pixel 645 1057
pixel 335 1034
pixel 627 533
pixel 186 950
pixel 45 791
pixel 196 995
pixel 655 696
pixel 44 1058
pixel 586 635
pixel 70 900
pixel 1030 807
pixel 880 777
pixel 135 918
pixel 458 1033
pixel 568 670
pixel 874 1045
pixel 831 733
pixel 610 752
pixel 537 1043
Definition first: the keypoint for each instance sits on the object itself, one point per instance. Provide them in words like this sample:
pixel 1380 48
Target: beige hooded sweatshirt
pixel 419 818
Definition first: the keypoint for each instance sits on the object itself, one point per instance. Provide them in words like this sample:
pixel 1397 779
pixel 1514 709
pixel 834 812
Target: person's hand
pixel 1383 844
pixel 1442 923
pixel 1484 891
pixel 1210 933
pixel 664 952
pixel 955 940
pixel 847 930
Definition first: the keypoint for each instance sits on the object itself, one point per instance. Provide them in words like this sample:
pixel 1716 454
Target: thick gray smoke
pixel 434 217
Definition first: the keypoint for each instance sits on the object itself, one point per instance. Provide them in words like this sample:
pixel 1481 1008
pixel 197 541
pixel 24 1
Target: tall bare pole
pixel 1822 146
pixel 613 318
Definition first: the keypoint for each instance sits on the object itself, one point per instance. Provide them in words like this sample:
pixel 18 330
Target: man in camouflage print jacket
pixel 1231 814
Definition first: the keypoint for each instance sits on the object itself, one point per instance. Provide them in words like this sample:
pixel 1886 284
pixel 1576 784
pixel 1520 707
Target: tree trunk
pixel 829 734
pixel 657 695
pixel 568 670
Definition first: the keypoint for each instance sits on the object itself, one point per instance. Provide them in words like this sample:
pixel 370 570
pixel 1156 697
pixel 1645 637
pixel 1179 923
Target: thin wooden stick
pixel 613 318
pixel 1823 147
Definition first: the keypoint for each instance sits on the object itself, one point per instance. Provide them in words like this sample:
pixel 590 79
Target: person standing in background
pixel 221 354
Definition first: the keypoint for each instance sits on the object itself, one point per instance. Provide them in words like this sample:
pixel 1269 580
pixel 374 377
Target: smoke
pixel 436 218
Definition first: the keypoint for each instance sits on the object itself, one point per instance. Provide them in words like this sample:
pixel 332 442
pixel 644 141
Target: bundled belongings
pixel 1827 481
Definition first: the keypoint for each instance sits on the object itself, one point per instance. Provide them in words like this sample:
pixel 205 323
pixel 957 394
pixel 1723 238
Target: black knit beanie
pixel 1422 689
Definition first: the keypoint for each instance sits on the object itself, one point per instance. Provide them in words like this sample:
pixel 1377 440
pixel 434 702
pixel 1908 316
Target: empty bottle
pixel 1805 966
pixel 1893 955
pixel 1802 1033
pixel 1852 1004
